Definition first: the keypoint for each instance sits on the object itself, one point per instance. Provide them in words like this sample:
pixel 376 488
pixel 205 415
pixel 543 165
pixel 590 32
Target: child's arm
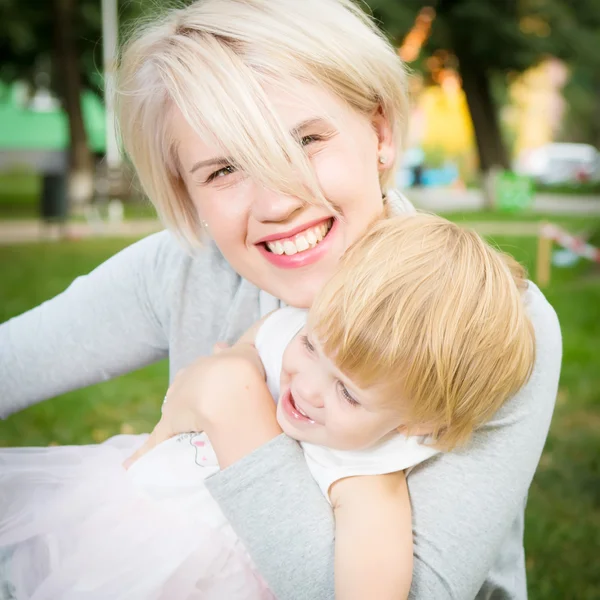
pixel 373 537
pixel 208 380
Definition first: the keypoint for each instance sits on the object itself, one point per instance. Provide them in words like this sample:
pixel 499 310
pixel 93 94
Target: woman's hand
pixel 224 395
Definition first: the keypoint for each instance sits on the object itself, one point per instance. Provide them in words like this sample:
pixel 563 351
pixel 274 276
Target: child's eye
pixel 306 343
pixel 346 395
pixel 222 172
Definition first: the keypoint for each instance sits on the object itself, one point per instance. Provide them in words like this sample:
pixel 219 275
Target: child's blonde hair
pixel 211 61
pixel 434 317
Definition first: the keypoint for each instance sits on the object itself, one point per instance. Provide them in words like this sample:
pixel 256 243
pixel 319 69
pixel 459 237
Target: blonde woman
pixel 267 132
pixel 369 386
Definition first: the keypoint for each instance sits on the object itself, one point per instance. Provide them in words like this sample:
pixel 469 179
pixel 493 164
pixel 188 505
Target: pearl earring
pixel 382 159
pixel 204 224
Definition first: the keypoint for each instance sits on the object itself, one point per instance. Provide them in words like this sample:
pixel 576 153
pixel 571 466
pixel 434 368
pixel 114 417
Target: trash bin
pixel 54 204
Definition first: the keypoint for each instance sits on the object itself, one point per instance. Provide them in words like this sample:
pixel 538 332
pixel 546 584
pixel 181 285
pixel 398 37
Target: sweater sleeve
pixel 464 503
pixel 285 522
pixel 106 323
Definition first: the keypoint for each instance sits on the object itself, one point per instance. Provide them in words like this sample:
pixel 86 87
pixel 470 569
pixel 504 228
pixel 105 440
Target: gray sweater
pixel 153 300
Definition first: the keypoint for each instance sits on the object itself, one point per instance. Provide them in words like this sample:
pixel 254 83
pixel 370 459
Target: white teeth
pixel 301 244
pixel 289 248
pixel 309 239
pixel 300 411
pixel 275 247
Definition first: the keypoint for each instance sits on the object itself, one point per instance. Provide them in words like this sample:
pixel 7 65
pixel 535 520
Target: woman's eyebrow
pixel 298 129
pixel 211 162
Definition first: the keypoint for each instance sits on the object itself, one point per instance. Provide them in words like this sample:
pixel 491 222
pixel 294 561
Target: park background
pixel 504 133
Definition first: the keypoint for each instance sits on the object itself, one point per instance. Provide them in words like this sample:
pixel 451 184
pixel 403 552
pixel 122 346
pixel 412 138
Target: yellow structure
pixel 446 121
pixel 537 105
pixel 441 122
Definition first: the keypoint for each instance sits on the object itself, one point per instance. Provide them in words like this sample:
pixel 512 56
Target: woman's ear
pixel 386 149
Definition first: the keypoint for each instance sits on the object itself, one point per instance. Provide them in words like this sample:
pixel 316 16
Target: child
pixel 418 339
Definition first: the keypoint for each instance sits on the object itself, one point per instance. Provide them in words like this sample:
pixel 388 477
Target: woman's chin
pixel 301 293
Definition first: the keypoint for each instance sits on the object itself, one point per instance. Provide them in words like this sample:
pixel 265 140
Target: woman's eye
pixel 306 343
pixel 309 139
pixel 222 172
pixel 346 395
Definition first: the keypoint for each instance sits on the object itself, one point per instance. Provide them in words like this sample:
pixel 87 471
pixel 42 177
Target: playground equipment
pixel 547 235
pixel 550 234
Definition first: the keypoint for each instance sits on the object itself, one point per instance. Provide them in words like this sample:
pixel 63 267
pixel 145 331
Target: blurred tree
pixel 496 37
pixel 68 79
pixel 578 27
pixel 582 94
pixel 58 45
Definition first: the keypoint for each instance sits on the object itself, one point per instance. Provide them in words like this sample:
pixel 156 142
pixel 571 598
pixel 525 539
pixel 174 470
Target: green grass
pixel 563 516
pixel 17 208
pixel 19 195
pixel 591 188
pixel 32 274
pixel 20 198
pixel 570 222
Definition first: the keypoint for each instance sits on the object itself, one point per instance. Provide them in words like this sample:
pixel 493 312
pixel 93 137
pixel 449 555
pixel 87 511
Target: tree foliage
pixel 488 38
pixel 28 40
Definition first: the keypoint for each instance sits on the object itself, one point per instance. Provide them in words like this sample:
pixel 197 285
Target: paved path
pixel 451 200
pixel 19 232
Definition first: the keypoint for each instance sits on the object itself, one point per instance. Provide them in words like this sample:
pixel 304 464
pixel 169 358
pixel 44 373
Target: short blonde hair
pixel 431 313
pixel 211 61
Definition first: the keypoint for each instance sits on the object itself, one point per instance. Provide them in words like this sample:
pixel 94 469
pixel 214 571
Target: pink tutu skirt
pixel 74 525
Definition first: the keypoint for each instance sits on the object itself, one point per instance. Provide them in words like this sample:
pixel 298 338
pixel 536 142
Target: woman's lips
pixel 292 411
pixel 298 230
pixel 305 257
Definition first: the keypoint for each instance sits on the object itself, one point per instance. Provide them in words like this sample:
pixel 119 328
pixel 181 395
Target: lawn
pixel 20 198
pixel 563 516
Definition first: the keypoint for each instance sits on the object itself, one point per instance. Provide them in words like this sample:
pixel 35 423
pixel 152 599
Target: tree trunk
pixel 490 147
pixel 595 121
pixel 81 164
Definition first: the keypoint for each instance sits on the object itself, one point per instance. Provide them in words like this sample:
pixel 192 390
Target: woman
pixel 270 129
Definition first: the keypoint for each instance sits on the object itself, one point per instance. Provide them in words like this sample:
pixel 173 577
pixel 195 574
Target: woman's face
pixel 282 245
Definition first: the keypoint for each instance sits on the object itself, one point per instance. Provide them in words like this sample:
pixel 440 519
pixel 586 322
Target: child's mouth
pixel 293 410
pixel 299 409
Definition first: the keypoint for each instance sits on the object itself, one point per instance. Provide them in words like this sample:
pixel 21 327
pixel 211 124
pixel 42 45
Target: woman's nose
pixel 273 206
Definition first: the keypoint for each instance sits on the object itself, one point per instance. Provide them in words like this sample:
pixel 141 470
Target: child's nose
pixel 310 392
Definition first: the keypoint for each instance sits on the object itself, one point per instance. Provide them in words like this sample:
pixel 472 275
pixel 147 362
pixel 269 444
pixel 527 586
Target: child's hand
pixel 243 350
pixel 224 395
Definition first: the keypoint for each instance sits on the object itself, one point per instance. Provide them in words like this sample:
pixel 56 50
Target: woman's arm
pixel 107 323
pixel 373 537
pixel 278 510
pixel 465 503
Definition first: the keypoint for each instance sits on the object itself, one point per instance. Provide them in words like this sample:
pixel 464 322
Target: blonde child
pixel 419 338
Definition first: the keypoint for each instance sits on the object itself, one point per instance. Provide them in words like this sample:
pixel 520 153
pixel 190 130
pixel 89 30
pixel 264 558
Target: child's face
pixel 319 405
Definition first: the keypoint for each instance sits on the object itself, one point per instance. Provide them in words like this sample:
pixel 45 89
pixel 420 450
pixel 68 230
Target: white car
pixel 560 163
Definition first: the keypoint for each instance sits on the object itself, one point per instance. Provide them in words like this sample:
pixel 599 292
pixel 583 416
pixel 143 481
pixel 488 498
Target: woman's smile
pixel 302 248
